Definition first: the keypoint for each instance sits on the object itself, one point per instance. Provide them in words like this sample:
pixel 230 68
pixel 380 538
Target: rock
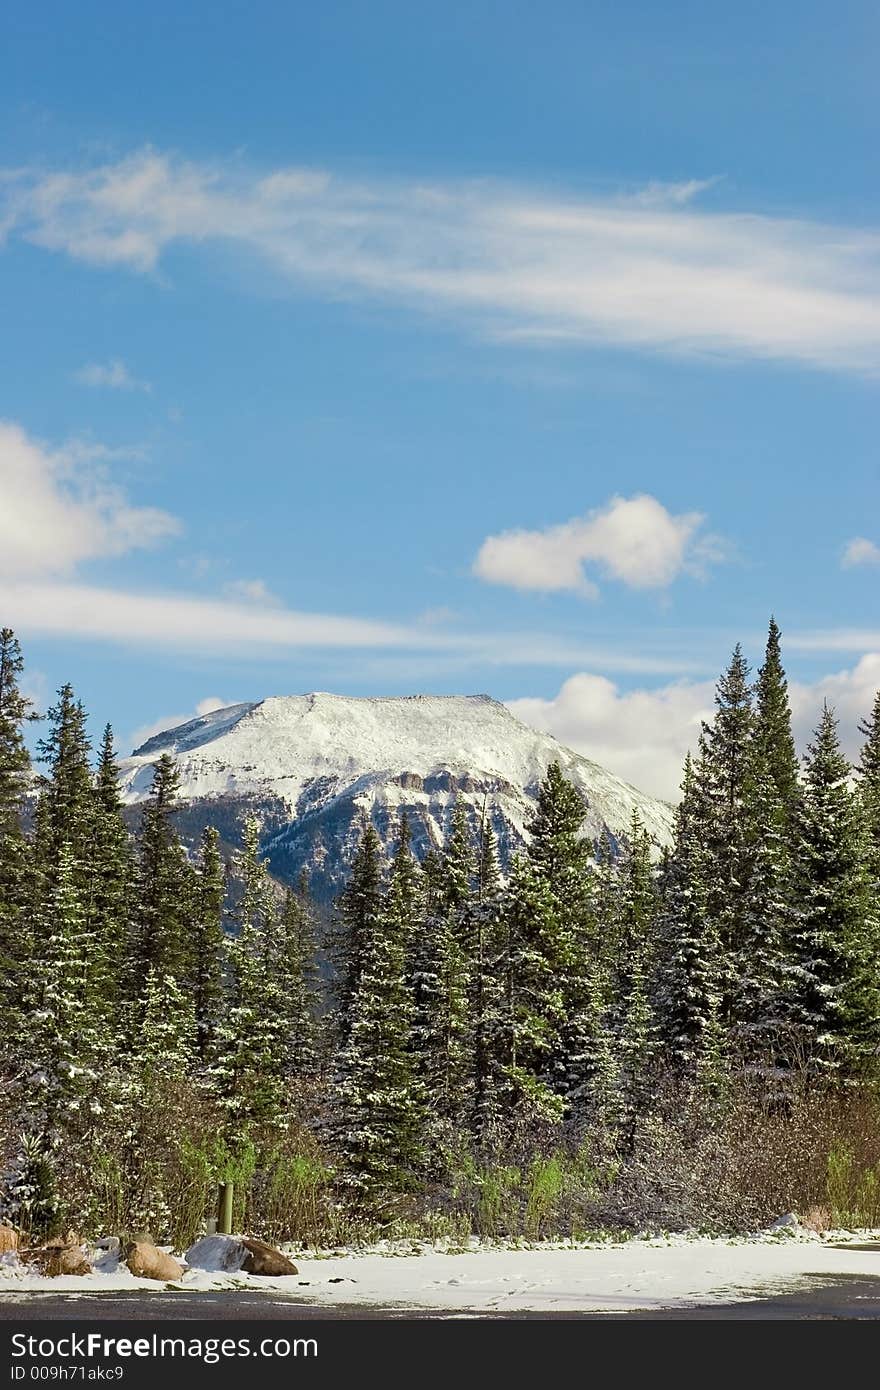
pixel 147 1261
pixel 264 1259
pixel 67 1259
pixel 788 1222
pixel 217 1253
pixel 8 1240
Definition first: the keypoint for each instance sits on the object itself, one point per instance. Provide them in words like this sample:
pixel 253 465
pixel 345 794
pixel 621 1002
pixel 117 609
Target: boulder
pixel 8 1240
pixel 147 1261
pixel 264 1259
pixel 66 1259
pixel 217 1253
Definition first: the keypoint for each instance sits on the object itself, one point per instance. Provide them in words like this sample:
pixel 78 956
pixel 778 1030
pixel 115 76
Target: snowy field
pixel 640 1274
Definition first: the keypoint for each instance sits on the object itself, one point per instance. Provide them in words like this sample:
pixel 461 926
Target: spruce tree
pixel 725 773
pixel 869 793
pixel 250 1065
pixel 634 1023
pixel 559 943
pixel 835 986
pixel 15 711
pixel 294 966
pixel 439 976
pixel 773 738
pixel 207 945
pixel 381 1115
pixel 691 972
pixel 65 811
pixel 109 889
pixel 359 906
pixel 161 930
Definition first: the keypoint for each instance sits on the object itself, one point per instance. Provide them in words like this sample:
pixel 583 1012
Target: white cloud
pixel 173 721
pixel 114 375
pixel 860 551
pixel 252 591
pixel 634 540
pixel 650 270
pixel 644 735
pixel 59 509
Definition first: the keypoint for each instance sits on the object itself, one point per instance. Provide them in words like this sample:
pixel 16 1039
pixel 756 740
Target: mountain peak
pixel 309 765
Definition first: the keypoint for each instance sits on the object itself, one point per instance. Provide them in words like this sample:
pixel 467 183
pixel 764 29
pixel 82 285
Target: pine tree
pixel 485 996
pixel 835 970
pixel 690 973
pixel 164 883
pixel 15 711
pixel 439 977
pixel 773 738
pixel 359 907
pixel 109 889
pixel 869 793
pixel 457 861
pixel 725 774
pixel 294 966
pixel 634 1024
pixel 250 1066
pixel 488 872
pixel 63 1036
pixel 769 913
pixel 381 1116
pixel 207 946
pixel 558 945
pixel 65 811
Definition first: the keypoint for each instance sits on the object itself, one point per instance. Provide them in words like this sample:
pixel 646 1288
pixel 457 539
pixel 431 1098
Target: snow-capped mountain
pixel 308 765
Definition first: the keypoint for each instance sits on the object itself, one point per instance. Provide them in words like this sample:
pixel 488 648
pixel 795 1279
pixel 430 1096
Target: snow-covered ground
pixel 657 1273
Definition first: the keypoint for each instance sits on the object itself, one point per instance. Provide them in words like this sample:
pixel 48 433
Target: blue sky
pixel 483 347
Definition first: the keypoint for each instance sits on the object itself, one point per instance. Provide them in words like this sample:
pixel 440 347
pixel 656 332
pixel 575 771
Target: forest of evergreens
pixel 608 1036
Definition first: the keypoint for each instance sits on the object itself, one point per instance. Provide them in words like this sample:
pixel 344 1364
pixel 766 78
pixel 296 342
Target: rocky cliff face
pixel 309 765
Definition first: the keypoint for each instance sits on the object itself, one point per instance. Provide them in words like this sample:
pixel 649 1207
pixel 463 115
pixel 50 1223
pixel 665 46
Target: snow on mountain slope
pixel 308 765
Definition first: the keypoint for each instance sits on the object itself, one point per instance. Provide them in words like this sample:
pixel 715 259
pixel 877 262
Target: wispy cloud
pixel 252 591
pixel 860 551
pixel 114 375
pixel 651 270
pixel 634 540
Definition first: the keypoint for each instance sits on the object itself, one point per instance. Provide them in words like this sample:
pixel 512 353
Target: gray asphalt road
pixel 844 1298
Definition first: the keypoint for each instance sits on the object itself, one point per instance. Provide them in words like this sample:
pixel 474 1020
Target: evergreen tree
pixel 773 739
pixel 869 793
pixel 440 977
pixel 109 889
pixel 294 966
pixel 726 802
pixel 634 1024
pixel 207 946
pixel 557 946
pixel 250 1066
pixel 691 969
pixel 15 711
pixel 64 1038
pixel 359 908
pixel 835 987
pixel 457 861
pixel 65 811
pixel 164 883
pixel 485 997
pixel 380 1100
